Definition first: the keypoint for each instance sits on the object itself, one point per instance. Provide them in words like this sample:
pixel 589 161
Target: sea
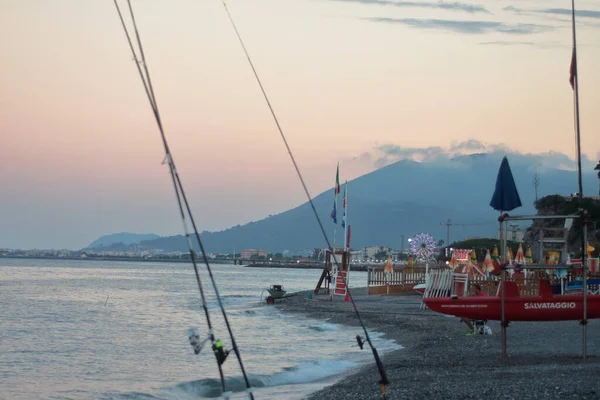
pixel 73 329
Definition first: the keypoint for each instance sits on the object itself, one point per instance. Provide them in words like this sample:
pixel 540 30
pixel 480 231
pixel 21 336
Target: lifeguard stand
pixel 334 276
pixel 562 241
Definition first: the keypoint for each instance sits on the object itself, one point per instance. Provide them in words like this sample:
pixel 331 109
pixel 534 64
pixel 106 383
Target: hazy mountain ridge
pixel 124 238
pixel 402 198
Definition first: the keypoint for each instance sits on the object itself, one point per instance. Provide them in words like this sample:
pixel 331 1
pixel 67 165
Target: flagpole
pixel 576 97
pixel 333 248
pixel 345 216
pixel 335 203
pixel 575 76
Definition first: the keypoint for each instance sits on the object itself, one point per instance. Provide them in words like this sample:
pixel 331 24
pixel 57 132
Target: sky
pixel 348 79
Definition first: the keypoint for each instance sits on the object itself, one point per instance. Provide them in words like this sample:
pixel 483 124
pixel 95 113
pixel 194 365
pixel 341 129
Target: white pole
pixel 346 216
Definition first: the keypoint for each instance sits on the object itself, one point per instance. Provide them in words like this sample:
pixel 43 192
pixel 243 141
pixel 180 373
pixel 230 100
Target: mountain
pixel 122 238
pixel 398 201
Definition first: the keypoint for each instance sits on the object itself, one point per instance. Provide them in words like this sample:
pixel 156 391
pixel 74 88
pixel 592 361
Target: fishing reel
pixel 220 353
pixel 360 341
pixel 195 341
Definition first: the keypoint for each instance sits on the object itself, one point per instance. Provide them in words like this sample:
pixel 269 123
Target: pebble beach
pixel 439 361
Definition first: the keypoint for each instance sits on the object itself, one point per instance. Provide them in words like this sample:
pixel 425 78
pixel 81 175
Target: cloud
pixel 514 9
pixel 557 11
pixel 505 43
pixel 455 6
pixel 385 154
pixel 578 13
pixel 467 27
pixel 533 44
pixel 468 145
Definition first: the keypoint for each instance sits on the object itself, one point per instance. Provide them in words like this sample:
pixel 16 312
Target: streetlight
pixel 447 224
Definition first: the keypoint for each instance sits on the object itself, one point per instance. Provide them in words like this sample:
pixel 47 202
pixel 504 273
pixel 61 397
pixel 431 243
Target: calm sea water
pixel 118 330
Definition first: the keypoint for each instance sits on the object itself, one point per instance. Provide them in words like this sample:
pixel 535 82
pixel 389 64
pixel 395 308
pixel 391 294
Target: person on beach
pixel 475 291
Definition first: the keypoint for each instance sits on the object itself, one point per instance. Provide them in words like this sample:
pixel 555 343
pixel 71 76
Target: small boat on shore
pixel 275 292
pixel 544 307
pixel 420 288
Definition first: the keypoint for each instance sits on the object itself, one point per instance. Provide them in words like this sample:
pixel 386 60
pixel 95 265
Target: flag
pixel 344 207
pixel 337 180
pixel 333 214
pixel 336 190
pixel 573 70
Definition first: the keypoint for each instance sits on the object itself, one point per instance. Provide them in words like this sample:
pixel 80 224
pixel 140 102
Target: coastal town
pixel 371 254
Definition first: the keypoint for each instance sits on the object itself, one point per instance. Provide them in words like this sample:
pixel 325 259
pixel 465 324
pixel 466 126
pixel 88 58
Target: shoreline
pixel 438 360
pixel 116 259
pixel 291 265
pixel 354 267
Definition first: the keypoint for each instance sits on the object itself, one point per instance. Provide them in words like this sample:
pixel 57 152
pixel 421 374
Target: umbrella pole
pixel 585 288
pixel 502 291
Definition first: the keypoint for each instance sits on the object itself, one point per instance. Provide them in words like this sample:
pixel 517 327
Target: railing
pixel 407 276
pixel 528 286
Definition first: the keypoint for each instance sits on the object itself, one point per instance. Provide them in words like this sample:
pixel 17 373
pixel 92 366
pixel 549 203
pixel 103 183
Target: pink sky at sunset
pixel 82 155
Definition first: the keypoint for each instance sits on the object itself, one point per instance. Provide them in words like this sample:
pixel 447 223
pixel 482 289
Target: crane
pixel 449 223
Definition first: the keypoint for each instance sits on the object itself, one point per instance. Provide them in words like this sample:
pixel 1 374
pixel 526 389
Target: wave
pixel 211 388
pixel 324 327
pixel 132 396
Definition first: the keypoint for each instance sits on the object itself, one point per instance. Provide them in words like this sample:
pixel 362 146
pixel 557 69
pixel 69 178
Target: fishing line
pixel 384 381
pixel 184 207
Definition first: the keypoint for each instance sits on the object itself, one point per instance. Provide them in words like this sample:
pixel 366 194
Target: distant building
pixel 370 252
pixel 248 253
pixel 356 256
pixel 514 233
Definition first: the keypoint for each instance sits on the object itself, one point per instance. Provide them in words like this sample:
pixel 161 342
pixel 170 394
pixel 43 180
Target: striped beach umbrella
pixel 488 264
pixel 453 263
pixel 520 257
pixel 389 268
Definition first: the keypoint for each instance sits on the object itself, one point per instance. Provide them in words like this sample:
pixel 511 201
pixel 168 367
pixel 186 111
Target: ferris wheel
pixel 423 246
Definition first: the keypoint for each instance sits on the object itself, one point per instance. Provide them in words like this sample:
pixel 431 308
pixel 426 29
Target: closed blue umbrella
pixel 506 196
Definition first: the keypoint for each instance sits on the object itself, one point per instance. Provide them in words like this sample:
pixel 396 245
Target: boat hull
pixel 529 308
pixel 420 288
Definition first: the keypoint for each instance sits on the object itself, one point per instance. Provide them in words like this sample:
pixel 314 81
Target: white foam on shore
pixel 311 374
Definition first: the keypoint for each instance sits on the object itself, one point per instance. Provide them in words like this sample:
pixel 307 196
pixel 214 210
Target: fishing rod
pixel 183 205
pixel 384 380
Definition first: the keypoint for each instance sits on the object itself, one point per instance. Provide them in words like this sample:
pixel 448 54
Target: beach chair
pixel 480 326
pixel 574 287
pixel 593 286
pixel 460 284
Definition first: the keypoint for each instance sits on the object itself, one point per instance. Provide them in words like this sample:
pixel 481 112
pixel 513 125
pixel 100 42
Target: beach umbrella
pixel 473 256
pixel 389 268
pixel 551 258
pixel 509 256
pixel 520 257
pixel 590 250
pixel 505 197
pixel 472 267
pixel 453 263
pixel 488 264
pixel 528 258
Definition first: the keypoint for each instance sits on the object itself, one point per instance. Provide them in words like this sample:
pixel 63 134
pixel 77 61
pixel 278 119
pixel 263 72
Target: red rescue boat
pixel 544 307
